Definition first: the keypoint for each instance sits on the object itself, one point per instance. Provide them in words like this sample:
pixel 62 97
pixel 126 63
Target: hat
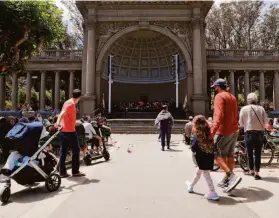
pixel 165 107
pixel 219 82
pixel 190 118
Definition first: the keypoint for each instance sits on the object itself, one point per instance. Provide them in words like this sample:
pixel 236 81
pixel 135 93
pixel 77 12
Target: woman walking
pixel 253 118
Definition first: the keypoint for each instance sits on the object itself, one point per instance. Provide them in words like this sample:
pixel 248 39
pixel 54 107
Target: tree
pixel 270 28
pixel 25 27
pixel 234 25
pixel 75 26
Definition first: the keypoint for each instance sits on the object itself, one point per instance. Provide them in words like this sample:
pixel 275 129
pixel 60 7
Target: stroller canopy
pixel 26 137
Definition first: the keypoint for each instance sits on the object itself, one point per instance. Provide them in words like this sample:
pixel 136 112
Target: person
pixel 269 125
pixel 188 130
pixel 68 135
pixel 224 130
pixel 91 134
pixel 165 120
pixel 253 118
pixel 276 123
pixel 203 149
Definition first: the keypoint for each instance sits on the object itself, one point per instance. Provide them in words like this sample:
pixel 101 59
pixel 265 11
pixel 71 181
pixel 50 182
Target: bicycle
pixel 268 152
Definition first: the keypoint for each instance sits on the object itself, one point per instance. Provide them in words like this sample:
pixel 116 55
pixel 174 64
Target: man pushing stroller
pixel 165 120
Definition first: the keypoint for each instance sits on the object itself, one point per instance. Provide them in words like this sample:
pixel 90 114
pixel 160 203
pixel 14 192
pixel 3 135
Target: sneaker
pixel 212 196
pixel 190 188
pixel 233 182
pixel 258 177
pixel 223 183
pixel 163 148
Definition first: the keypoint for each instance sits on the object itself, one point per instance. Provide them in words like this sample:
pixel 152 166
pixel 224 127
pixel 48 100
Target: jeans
pixel 254 142
pixel 165 133
pixel 68 139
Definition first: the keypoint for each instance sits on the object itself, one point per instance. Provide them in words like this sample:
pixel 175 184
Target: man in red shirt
pixel 225 132
pixel 68 135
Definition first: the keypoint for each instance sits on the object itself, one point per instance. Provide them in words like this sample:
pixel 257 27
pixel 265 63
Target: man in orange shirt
pixel 68 135
pixel 225 132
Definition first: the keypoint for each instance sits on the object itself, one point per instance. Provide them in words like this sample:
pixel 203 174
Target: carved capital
pixel 91 21
pixel 197 20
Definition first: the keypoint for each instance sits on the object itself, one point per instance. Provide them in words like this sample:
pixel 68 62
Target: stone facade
pixel 142 36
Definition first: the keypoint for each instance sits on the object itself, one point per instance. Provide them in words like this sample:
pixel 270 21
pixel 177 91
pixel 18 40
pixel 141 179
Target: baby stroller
pixel 40 167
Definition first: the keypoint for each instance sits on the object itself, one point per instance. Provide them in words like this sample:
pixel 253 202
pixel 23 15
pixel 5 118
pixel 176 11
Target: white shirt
pixel 249 120
pixel 89 130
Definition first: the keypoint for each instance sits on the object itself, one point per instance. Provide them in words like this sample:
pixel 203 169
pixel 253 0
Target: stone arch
pixel 161 30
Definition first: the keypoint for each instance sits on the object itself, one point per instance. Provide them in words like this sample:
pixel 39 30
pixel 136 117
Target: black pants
pixel 254 143
pixel 165 133
pixel 68 139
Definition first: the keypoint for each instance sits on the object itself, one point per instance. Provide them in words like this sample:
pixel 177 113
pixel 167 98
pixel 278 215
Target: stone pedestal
pixel 2 92
pixel 199 104
pixel 88 105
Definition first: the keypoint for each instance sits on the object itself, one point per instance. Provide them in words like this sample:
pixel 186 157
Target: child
pixel 202 147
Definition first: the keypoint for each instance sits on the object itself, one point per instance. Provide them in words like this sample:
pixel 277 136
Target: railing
pixel 58 54
pixel 210 53
pixel 242 53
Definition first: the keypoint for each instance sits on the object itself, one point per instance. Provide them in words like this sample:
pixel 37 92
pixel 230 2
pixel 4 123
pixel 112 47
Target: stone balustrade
pixel 242 53
pixel 58 54
pixel 210 53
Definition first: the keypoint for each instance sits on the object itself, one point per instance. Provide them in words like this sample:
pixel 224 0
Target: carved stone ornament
pixel 182 29
pixel 106 30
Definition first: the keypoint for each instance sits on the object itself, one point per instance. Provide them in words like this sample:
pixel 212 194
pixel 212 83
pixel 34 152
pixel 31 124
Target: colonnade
pixel 233 83
pixel 43 75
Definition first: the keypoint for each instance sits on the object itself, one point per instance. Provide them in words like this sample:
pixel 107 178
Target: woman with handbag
pixel 253 118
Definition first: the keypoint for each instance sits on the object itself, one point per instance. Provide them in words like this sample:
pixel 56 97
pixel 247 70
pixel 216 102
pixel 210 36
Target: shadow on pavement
pixel 251 194
pixel 173 150
pixel 35 194
pixel 270 179
pixel 80 181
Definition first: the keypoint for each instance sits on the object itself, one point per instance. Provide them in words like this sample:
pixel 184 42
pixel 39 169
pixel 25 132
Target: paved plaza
pixel 144 183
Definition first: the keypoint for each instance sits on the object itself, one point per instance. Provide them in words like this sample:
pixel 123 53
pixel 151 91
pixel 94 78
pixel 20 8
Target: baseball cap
pixel 219 82
pixel 190 118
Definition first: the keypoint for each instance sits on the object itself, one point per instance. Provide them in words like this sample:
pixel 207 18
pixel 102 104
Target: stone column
pixel 91 59
pixel 189 89
pixel 28 87
pixel 71 83
pixel 262 87
pixel 236 86
pixel 217 74
pixel 276 90
pixel 53 92
pixel 197 56
pixel 246 84
pixel 199 97
pixel 2 92
pixel 89 99
pixel 232 85
pixel 98 88
pixel 14 91
pixel 57 90
pixel 43 91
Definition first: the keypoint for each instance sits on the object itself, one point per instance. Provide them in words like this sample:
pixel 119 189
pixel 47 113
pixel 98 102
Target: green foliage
pixel 241 100
pixel 8 104
pixel 25 27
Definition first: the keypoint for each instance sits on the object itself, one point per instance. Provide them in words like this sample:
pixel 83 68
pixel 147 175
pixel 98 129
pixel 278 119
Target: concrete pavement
pixel 145 183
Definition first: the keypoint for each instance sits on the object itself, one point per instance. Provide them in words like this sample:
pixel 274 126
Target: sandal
pixel 79 174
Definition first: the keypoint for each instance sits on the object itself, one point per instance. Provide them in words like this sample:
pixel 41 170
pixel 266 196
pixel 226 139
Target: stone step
pixel 142 130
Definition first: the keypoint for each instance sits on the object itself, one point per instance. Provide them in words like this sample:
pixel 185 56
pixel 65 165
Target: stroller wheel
pixel 5 195
pixel 53 182
pixel 87 160
pixel 106 154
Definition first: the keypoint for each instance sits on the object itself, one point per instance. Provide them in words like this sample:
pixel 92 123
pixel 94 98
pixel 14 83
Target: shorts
pixel 225 145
